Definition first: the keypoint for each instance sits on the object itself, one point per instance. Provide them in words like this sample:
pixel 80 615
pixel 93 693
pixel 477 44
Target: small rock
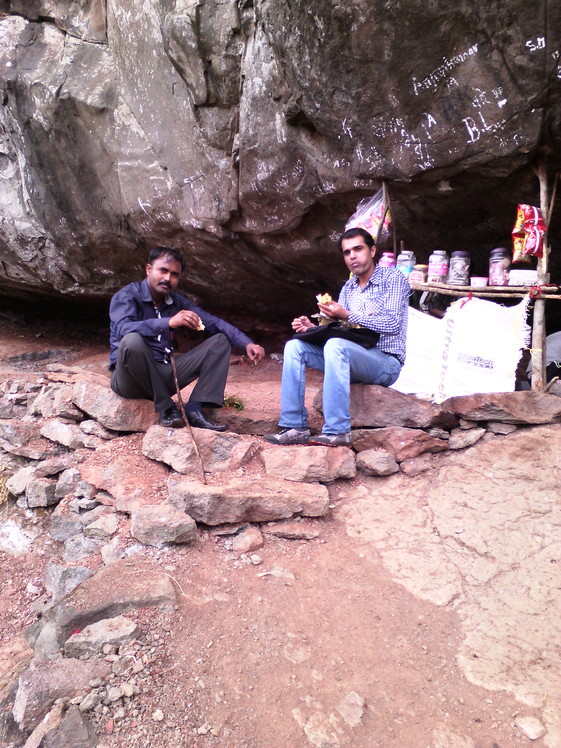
pixel 128 689
pixel 40 492
pixel 530 726
pixel 438 433
pixel 90 701
pixel 351 708
pixel 114 694
pixel 88 504
pixel 112 551
pixel 103 528
pixel 158 716
pixel 496 427
pixel 162 524
pixel 247 540
pixel 459 438
pixel 376 462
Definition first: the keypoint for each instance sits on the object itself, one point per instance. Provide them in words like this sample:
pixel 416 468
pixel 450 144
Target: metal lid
pixel 460 253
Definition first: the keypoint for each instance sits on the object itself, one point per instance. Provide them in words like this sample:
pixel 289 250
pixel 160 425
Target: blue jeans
pixel 342 362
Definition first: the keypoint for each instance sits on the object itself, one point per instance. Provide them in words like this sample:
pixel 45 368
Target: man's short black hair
pixel 352 233
pixel 158 252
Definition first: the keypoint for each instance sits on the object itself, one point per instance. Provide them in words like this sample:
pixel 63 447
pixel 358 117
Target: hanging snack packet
pixel 527 234
pixel 368 216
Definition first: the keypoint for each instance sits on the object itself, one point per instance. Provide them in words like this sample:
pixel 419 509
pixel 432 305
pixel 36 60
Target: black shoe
pixel 198 419
pixel 172 417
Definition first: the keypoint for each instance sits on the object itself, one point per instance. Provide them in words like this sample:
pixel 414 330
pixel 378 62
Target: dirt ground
pixel 317 645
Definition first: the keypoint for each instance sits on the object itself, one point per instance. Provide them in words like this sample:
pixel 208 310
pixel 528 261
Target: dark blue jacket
pixel 132 310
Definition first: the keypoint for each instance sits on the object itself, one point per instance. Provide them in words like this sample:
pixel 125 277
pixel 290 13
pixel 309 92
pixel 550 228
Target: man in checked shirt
pixel 374 297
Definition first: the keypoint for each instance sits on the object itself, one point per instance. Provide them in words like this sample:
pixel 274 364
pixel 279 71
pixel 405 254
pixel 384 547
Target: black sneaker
pixel 172 418
pixel 287 436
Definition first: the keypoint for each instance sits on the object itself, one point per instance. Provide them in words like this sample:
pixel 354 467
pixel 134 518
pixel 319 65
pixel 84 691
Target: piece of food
pixel 201 326
pixel 324 298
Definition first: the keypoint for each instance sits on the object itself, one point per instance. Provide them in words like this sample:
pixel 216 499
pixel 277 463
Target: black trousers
pixel 138 375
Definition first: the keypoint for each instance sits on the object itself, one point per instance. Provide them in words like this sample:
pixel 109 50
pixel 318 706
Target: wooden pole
pixel 186 421
pixel 538 329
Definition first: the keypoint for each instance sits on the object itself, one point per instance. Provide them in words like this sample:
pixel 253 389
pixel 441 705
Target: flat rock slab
pixel 402 442
pixel 91 639
pixel 131 479
pixel 243 501
pixel 112 411
pixel 45 681
pixel 475 534
pixel 175 448
pixel 376 407
pixel 309 464
pixel 507 407
pixel 162 524
pixel 112 591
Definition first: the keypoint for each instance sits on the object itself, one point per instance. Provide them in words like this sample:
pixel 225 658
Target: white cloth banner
pixel 474 348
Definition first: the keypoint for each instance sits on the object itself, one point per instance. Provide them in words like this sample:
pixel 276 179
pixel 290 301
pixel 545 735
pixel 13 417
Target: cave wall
pixel 245 132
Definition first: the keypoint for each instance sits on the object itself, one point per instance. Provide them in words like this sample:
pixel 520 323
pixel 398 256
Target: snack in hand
pixel 201 326
pixel 324 298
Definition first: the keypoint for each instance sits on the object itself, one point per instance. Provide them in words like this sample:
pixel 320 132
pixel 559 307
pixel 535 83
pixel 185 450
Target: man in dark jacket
pixel 144 316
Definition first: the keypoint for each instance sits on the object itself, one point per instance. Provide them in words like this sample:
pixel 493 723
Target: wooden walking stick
pixel 186 421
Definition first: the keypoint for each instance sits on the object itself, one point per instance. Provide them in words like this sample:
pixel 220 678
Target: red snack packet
pixel 527 234
pixel 368 216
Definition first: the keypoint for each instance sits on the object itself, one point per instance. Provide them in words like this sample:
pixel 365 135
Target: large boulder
pixel 45 681
pixel 254 131
pixel 218 452
pixel 113 412
pixel 115 589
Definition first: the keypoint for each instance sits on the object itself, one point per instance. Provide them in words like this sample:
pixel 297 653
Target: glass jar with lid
pixel 458 274
pixel 499 266
pixel 438 267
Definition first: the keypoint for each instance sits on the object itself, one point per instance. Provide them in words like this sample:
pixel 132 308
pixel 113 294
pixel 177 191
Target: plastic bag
pixel 527 234
pixel 368 216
